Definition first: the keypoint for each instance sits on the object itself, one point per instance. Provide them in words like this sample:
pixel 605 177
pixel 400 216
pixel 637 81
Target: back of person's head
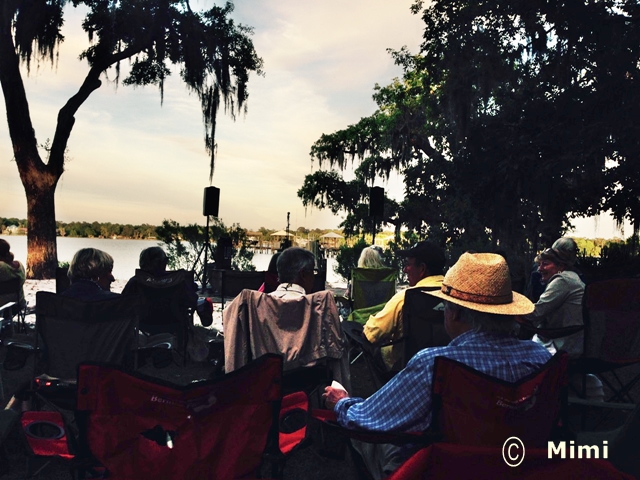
pixel 428 253
pixel 153 260
pixel 5 248
pixel 89 263
pixel 273 263
pixel 292 262
pixel 370 258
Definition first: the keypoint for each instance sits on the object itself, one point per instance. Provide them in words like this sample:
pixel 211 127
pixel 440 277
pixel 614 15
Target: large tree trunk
pixel 42 257
pixel 39 180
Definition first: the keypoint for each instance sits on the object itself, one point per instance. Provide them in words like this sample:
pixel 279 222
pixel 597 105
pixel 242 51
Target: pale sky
pixel 132 160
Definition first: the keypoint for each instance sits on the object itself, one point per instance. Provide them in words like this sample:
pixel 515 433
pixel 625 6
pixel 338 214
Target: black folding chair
pixel 12 288
pixel 168 304
pixel 422 327
pixel 612 335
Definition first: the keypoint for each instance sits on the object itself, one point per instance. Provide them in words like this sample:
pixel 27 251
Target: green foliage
pixel 503 126
pixel 183 243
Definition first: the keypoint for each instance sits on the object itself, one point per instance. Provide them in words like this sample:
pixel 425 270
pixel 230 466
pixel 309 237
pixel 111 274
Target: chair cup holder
pixel 43 430
pixel 17 356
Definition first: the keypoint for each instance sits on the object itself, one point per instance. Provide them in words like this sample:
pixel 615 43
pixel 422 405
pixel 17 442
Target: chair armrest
pixel 327 420
pixel 551 333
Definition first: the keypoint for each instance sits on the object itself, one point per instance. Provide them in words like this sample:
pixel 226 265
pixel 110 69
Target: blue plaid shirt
pixel 404 403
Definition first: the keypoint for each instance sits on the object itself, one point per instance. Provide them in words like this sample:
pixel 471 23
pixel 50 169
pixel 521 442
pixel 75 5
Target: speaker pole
pixel 206 251
pixel 373 242
pixel 376 207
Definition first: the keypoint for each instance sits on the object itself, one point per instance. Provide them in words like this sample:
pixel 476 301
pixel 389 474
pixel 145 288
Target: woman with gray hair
pixel 560 305
pixel 90 275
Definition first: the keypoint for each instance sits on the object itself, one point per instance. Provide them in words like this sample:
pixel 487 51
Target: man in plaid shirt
pixel 480 311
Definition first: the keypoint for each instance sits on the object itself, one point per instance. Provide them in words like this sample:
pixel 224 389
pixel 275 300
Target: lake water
pixel 126 253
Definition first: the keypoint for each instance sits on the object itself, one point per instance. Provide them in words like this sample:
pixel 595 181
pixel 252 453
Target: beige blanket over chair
pixel 304 330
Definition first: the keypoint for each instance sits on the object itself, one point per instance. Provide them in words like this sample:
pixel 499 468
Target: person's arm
pixel 402 405
pixel 381 326
pixel 551 299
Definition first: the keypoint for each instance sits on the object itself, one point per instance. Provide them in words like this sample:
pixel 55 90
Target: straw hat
pixel 481 281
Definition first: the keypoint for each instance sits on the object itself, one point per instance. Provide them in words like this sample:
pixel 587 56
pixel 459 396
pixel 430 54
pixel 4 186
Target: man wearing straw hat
pixel 479 317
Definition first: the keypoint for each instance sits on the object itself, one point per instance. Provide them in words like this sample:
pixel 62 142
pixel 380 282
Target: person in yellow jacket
pixel 424 266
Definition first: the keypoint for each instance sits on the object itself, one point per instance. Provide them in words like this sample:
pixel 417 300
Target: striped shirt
pixel 404 403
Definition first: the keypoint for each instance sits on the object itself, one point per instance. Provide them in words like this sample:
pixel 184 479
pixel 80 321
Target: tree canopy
pixel 214 55
pixel 513 118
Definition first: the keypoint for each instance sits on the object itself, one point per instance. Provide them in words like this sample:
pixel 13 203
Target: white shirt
pixel 288 290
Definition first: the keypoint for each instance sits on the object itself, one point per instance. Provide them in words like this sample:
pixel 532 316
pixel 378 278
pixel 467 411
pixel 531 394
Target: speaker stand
pixel 203 259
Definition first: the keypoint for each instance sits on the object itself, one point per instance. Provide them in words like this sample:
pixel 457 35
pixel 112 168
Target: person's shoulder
pixel 431 281
pixel 565 279
pixel 533 350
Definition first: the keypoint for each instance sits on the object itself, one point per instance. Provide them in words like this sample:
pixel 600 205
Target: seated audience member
pixel 296 268
pixel 303 327
pixel 424 266
pixel 153 261
pixel 370 257
pixel 271 280
pixel 90 275
pixel 560 305
pixel 479 317
pixel 10 269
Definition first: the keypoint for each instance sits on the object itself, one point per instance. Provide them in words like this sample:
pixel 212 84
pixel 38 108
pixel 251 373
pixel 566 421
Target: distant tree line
pixel 90 230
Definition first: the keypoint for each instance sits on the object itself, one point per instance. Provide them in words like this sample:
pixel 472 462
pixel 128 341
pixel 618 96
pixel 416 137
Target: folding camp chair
pixel 74 331
pixel 70 331
pixel 305 330
pixel 139 427
pixel 612 335
pixel 422 327
pixel 371 288
pixel 168 304
pixel 229 283
pixel 473 408
pixel 444 461
pixel 12 288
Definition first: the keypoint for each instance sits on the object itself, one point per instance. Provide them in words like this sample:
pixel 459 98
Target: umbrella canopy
pixel 281 233
pixel 331 235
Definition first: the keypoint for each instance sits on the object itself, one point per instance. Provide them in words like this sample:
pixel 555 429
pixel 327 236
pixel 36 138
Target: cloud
pixel 133 160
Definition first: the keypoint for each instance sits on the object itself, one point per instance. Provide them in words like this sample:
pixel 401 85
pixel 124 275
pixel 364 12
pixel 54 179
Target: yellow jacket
pixel 386 325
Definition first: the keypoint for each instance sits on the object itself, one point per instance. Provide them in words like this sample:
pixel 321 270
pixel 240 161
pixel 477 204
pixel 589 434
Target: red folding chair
pixel 472 408
pixel 226 428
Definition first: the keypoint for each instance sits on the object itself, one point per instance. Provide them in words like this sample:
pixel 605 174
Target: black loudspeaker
pixel 211 201
pixel 376 202
pixel 224 253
